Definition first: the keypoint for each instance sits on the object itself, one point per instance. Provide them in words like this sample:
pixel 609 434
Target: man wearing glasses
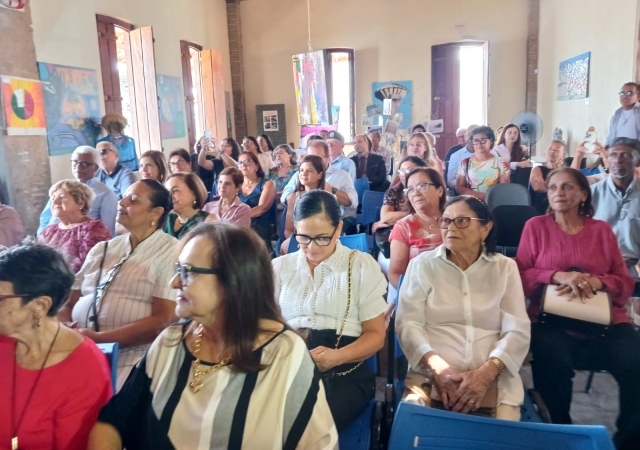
pixel 454 160
pixel 116 176
pixel 84 164
pixel 626 120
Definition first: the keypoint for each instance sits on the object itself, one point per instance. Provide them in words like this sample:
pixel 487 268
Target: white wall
pixel 65 33
pixel 392 41
pixel 607 29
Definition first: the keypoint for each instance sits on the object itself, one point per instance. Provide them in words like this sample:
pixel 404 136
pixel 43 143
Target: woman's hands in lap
pixel 576 284
pixel 325 358
pixel 473 387
pixel 442 374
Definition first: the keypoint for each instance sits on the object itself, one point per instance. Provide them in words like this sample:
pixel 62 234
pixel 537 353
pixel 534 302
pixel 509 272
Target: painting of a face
pixel 18 5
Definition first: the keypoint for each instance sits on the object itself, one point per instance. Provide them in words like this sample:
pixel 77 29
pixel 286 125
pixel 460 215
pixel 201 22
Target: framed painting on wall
pixel 171 103
pixel 23 106
pixel 312 87
pixel 271 121
pixel 573 77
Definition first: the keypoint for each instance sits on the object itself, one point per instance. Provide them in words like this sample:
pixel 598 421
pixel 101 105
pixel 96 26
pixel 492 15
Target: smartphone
pixel 207 134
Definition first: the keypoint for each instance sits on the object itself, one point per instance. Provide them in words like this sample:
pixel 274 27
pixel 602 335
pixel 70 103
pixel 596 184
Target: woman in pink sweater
pixel 566 238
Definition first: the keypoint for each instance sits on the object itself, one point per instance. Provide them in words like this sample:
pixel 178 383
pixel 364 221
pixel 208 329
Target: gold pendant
pixel 14 443
pixel 196 385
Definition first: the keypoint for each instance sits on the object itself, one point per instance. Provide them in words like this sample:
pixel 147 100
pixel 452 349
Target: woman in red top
pixel 53 381
pixel 567 238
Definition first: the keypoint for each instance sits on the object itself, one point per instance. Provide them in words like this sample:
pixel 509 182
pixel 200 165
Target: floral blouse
pixel 394 197
pixel 410 231
pixel 282 181
pixel 481 175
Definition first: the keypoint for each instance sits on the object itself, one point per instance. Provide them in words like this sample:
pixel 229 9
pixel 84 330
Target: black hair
pixel 37 270
pixel 181 153
pixel 235 148
pixel 486 130
pixel 268 140
pixel 315 137
pixel 585 208
pixel 159 197
pixel 631 83
pixel 633 144
pixel 256 161
pixel 255 142
pixel 418 126
pixel 317 202
pixel 414 159
pixel 481 210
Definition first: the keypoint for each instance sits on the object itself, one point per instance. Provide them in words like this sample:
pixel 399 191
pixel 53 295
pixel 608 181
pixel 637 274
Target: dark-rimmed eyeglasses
pixel 421 187
pixel 322 241
pixel 626 93
pixel 184 271
pixel 480 141
pixel 8 296
pixel 104 151
pixel 177 163
pixel 81 164
pixel 460 222
pixel 245 162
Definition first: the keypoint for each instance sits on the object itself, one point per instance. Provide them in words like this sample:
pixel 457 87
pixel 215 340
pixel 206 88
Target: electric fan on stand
pixel 530 126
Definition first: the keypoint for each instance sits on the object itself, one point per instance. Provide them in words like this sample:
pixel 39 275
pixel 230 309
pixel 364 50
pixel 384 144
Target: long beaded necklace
pixel 196 384
pixel 16 425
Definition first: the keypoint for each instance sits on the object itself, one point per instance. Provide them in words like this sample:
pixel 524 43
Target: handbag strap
pixel 96 326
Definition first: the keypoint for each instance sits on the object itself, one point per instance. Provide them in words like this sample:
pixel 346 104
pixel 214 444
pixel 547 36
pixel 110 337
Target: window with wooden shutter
pixel 192 82
pixel 215 112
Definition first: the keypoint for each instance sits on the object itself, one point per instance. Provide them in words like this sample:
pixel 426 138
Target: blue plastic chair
pixel 281 237
pixel 371 206
pixel 420 427
pixel 361 185
pixel 111 352
pixel 355 242
pixel 357 436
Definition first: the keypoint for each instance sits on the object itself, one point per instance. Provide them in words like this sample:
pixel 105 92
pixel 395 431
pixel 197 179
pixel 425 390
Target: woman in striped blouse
pixel 260 389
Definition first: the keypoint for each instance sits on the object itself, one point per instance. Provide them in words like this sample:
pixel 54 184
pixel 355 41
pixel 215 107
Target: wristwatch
pixel 499 365
pixel 334 190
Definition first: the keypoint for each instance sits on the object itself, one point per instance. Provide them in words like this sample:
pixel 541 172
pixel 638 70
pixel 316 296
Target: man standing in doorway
pixel 626 120
pixel 338 160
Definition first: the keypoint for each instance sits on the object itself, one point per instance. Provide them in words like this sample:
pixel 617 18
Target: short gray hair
pixel 633 144
pixel 86 150
pixel 461 129
pixel 111 145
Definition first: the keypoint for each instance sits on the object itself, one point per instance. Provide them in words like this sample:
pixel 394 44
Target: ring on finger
pixel 473 402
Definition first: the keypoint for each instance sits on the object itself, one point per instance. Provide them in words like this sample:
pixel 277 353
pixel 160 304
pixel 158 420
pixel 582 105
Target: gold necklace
pixel 196 384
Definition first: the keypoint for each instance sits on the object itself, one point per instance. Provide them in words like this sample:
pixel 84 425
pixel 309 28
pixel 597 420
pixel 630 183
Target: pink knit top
pixel 545 249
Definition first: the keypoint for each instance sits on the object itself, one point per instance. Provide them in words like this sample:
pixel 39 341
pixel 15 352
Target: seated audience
pixel 335 141
pixel 369 165
pixel 188 196
pixel 338 182
pixel 418 232
pixel 538 176
pixel 84 163
pixel 395 205
pixel 259 194
pixel 250 144
pixel 418 128
pixel 344 326
pixel 226 204
pixel 115 124
pixel 567 238
pixel 479 172
pixel 462 141
pixel 263 391
pixel 454 161
pixel 116 176
pixel 286 167
pixel 122 292
pixel 310 177
pixel 419 146
pixel 461 319
pixel 180 161
pixel 153 166
pixel 76 233
pixel 211 162
pixel 379 150
pixel 54 380
pixel 11 228
pixel 266 146
pixel 596 171
pixel 510 148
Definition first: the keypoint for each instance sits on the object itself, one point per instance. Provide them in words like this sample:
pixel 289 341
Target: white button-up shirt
pixel 465 317
pixel 300 293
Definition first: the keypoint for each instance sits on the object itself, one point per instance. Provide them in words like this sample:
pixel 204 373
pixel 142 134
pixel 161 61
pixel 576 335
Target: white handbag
pixel 594 314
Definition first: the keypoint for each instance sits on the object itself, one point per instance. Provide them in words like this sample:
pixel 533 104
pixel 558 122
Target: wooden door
pixel 445 91
pixel 109 66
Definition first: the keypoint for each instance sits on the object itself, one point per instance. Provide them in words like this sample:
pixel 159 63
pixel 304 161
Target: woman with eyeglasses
pixel 180 161
pixel 232 374
pixel 259 194
pixel 418 232
pixel 122 294
pixel 510 148
pixel 461 319
pixel 479 172
pixel 286 167
pixel 335 296
pixel 311 176
pixel 251 145
pixel 53 380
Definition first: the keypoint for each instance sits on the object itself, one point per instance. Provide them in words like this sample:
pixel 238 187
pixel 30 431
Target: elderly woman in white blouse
pixel 336 296
pixel 461 319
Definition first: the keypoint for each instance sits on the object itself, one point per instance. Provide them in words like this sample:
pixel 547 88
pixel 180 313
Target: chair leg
pixel 536 398
pixel 589 381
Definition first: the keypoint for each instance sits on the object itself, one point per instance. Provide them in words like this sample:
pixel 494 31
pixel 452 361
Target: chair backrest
pixel 283 220
pixel 293 245
pixel 371 205
pixel 361 185
pixel 509 221
pixel 110 350
pixel 419 427
pixel 507 194
pixel 521 176
pixel 355 242
pixel 398 350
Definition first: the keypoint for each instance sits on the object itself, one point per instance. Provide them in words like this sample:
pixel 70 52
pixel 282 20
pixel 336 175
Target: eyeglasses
pixel 460 222
pixel 625 156
pixel 6 297
pixel 81 164
pixel 626 93
pixel 184 271
pixel 405 171
pixel 177 163
pixel 104 151
pixel 322 241
pixel 419 188
pixel 480 141
pixel 245 162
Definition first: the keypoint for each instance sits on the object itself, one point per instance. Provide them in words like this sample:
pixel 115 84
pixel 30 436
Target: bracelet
pixel 499 364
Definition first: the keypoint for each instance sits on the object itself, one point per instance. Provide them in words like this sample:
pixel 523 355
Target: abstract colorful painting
pixel 310 82
pixel 171 104
pixel 401 95
pixel 573 77
pixel 71 106
pixel 23 106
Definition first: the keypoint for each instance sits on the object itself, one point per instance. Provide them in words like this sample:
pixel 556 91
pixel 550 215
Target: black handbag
pixel 381 237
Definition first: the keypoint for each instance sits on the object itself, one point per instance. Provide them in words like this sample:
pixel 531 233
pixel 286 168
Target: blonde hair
pixel 429 154
pixel 80 193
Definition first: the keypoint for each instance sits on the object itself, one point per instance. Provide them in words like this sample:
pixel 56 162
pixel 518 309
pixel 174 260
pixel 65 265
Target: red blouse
pixel 66 401
pixel 545 249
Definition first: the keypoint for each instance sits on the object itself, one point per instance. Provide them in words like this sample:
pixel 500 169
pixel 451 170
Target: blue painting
pixel 171 104
pixel 573 77
pixel 401 95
